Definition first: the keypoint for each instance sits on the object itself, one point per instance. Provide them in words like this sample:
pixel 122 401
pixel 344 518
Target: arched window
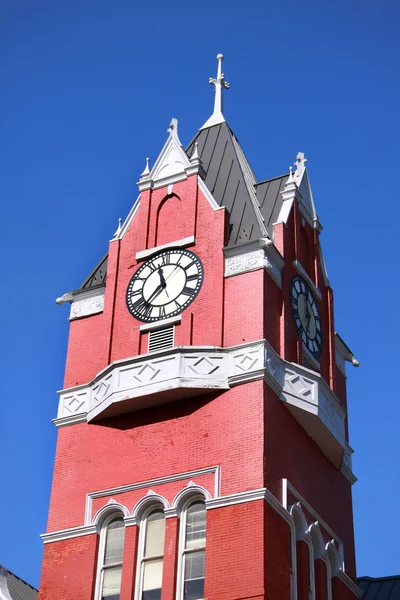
pixel 111 550
pixel 193 544
pixel 151 554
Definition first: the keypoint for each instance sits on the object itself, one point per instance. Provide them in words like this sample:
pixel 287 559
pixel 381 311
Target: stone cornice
pixel 183 371
pixel 259 254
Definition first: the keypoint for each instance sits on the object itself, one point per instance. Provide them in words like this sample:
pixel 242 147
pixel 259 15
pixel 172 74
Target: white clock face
pixel 306 316
pixel 164 285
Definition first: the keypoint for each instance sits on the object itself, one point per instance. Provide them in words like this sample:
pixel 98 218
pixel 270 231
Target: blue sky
pixel 88 91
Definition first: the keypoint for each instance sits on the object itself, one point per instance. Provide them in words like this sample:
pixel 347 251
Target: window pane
pixel 111 583
pixel 114 542
pixel 152 579
pixel 194 565
pixel 196 526
pixel 194 590
pixel 155 534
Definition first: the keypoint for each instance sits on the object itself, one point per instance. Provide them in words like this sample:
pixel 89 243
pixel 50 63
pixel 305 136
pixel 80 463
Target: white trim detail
pixel 301 271
pixel 172 164
pixel 128 220
pixel 213 203
pixel 151 499
pixel 343 355
pixel 4 591
pixel 288 487
pixel 87 303
pixel 260 254
pixel 349 583
pixel 188 492
pixel 112 507
pixel 163 376
pixel 66 534
pixel 183 243
pixel 214 470
pixel 161 324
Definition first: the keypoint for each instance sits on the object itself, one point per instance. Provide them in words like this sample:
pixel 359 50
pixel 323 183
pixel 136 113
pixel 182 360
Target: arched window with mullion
pixel 111 551
pixel 194 551
pixel 152 536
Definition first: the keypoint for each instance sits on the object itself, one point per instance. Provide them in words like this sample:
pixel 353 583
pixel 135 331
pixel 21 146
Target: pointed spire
pixel 146 170
pixel 220 84
pixel 195 155
pixel 116 234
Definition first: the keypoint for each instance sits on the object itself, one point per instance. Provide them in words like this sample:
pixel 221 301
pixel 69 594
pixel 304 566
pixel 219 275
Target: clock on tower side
pixel 199 403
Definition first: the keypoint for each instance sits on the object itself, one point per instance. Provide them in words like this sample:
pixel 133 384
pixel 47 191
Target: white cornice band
pixel 260 254
pixel 86 303
pixel 181 372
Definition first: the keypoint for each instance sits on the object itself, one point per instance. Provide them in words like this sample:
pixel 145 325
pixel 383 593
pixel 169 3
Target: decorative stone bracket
pixel 183 372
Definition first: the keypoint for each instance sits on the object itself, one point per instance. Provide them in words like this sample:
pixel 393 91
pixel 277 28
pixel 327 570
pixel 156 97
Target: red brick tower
pixel 202 429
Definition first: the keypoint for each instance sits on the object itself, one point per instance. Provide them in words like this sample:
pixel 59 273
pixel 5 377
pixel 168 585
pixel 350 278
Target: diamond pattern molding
pixel 168 375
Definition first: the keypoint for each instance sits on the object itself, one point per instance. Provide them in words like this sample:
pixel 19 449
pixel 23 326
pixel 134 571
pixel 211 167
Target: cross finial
pixel 300 164
pixel 220 84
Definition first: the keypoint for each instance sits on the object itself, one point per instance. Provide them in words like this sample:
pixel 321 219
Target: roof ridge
pixel 273 178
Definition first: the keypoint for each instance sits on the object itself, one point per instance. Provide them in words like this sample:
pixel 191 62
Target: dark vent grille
pixel 161 339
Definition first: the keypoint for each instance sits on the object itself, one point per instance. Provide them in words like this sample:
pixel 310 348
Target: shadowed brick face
pixel 246 431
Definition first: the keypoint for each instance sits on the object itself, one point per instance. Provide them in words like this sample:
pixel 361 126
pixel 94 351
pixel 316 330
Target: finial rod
pixel 220 84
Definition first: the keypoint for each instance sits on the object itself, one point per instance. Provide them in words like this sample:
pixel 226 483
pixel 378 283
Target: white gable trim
pixel 128 220
pixel 209 195
pixel 172 164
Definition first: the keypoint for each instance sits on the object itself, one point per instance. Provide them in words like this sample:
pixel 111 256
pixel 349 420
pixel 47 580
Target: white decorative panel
pixel 300 386
pixel 73 403
pixel 204 365
pixel 247 359
pixel 244 262
pixel 85 306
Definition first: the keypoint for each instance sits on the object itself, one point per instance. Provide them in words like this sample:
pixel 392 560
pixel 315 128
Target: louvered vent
pixel 161 339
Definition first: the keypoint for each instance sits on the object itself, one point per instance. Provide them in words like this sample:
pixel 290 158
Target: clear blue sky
pixel 88 91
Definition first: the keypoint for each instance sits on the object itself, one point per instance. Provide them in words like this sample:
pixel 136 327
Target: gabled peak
pixel 172 164
pixel 298 180
pixel 220 84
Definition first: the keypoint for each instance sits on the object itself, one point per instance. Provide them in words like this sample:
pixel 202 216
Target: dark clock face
pixel 164 285
pixel 305 315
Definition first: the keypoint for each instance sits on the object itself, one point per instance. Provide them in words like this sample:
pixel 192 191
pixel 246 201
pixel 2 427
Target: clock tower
pixel 203 447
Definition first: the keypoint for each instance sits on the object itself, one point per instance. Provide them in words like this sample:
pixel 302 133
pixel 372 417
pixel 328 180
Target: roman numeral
pixel 187 267
pixel 166 259
pixel 162 312
pixel 192 277
pixel 187 291
pixel 152 267
pixel 141 306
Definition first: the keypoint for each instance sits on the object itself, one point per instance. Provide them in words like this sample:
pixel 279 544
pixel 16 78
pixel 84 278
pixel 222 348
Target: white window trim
pixel 181 545
pixel 142 538
pixel 101 549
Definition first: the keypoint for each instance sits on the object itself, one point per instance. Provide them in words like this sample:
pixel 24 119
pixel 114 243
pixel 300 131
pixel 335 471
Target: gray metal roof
pixel 97 277
pixel 253 207
pixel 270 199
pixel 15 588
pixel 230 180
pixel 379 588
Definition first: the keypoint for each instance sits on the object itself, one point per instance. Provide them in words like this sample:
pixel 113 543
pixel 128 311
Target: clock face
pixel 164 285
pixel 305 315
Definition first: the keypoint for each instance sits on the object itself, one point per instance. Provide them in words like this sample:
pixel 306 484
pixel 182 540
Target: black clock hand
pixel 162 278
pixel 158 289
